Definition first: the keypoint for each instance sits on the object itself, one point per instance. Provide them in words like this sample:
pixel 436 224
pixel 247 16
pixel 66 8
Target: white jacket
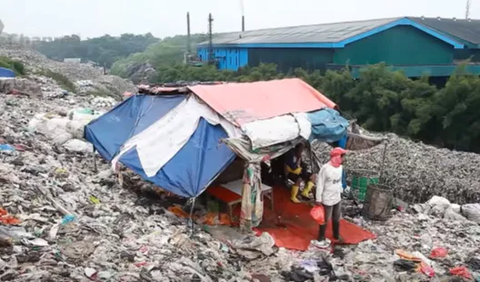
pixel 329 185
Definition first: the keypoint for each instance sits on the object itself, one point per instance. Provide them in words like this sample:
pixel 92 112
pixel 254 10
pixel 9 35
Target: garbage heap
pixel 63 221
pixel 417 171
pixel 39 68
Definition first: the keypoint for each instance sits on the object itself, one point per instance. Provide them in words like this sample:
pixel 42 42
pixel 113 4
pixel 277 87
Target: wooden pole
pixel 382 165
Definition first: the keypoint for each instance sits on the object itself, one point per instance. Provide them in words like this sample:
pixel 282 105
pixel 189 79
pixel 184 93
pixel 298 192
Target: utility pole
pixel 189 46
pixel 210 40
pixel 467 10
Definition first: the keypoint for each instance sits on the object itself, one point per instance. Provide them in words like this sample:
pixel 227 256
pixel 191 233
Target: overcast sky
pixel 91 18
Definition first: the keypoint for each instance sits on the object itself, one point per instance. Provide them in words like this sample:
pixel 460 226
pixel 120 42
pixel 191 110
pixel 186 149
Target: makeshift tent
pixel 183 142
pixel 4 72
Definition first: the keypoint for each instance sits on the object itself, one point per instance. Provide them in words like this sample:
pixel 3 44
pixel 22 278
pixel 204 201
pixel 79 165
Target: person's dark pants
pixel 334 213
pixel 304 175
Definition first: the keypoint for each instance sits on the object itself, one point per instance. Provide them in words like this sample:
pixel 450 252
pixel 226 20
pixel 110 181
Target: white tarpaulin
pixel 161 141
pixel 265 133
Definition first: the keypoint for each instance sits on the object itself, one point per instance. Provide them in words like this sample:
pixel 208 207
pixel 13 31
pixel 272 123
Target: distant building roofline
pixel 327 35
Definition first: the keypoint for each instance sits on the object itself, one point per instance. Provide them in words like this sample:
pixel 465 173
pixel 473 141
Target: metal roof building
pixel 416 45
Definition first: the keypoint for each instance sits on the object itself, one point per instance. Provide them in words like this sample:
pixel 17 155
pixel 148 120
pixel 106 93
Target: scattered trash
pixel 438 253
pixel 474 263
pixel 90 273
pixel 67 219
pixel 461 271
pixel 78 146
pixel 471 212
pixel 7 219
pixel 405 265
pixel 94 200
pixel 37 242
pixel 7 148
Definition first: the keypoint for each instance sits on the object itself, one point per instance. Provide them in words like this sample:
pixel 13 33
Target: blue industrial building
pixel 416 45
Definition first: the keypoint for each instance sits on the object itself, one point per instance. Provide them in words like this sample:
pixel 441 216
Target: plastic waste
pixel 14 232
pixel 67 219
pixel 7 219
pixel 94 200
pixel 438 253
pixel 37 242
pixel 90 273
pixel 318 214
pixel 461 271
pixel 404 265
pixel 78 146
pixel 6 148
pixel 472 212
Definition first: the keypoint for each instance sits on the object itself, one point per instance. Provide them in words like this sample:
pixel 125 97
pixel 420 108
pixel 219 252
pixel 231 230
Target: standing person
pixel 296 171
pixel 329 194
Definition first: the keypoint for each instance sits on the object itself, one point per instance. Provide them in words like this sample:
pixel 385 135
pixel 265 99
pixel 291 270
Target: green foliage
pixel 167 53
pixel 103 50
pixel 62 80
pixel 14 65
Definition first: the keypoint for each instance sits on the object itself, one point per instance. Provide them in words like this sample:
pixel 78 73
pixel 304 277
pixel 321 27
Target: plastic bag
pixel 318 213
pixel 438 253
pixel 461 271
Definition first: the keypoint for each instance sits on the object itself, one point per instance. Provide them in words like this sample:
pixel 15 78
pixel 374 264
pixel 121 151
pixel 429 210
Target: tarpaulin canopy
pixel 191 169
pixel 4 72
pixel 241 103
pixel 174 140
pixel 327 125
pixel 184 174
pixel 127 119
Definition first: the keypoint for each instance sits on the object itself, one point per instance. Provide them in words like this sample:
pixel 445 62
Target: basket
pixel 361 179
pixel 378 202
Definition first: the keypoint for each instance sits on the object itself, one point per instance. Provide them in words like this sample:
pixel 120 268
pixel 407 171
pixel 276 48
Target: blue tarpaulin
pixel 327 125
pixel 113 129
pixel 186 174
pixel 4 72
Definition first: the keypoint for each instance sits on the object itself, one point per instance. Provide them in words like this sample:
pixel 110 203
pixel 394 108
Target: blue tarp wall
pixel 4 72
pixel 188 173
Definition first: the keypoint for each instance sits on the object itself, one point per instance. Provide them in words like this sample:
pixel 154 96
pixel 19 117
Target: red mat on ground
pixel 292 227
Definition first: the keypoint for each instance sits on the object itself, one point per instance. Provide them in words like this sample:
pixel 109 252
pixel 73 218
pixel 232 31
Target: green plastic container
pixel 360 183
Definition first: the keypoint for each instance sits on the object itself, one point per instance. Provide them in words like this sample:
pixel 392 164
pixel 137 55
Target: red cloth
pixel 336 156
pixel 296 228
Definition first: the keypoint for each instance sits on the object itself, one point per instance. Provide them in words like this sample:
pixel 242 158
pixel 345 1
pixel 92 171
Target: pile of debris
pixel 63 221
pixel 37 64
pixel 417 171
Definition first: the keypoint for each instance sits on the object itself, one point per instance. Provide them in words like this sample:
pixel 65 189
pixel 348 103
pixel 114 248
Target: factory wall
pixel 400 45
pixel 289 59
pixel 227 58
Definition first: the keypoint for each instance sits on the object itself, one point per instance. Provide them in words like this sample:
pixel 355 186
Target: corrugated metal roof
pixel 319 33
pixel 467 30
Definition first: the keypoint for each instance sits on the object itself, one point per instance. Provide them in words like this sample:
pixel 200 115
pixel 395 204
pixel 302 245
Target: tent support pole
pixel 95 168
pixel 191 216
pixel 382 165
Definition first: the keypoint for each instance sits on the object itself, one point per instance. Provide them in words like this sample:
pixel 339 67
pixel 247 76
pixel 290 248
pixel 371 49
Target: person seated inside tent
pixel 296 170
